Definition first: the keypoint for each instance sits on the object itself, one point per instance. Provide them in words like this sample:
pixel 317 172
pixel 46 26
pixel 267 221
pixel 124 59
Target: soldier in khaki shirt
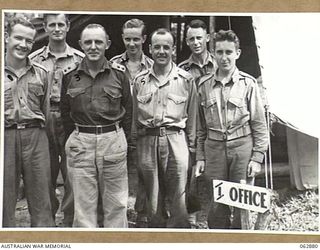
pixel 135 61
pixel 59 58
pixel 164 123
pixel 201 62
pixel 232 136
pixel 26 111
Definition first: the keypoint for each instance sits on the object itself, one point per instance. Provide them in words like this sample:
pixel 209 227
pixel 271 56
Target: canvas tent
pixel 289 52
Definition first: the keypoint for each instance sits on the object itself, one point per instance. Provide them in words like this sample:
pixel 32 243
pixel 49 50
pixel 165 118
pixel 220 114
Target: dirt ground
pixel 292 210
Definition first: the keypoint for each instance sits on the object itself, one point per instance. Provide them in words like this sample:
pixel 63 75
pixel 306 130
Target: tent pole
pixel 266 170
pixel 269 150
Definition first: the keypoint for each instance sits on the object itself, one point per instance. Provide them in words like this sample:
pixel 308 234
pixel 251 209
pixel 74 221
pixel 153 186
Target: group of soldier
pixel 81 114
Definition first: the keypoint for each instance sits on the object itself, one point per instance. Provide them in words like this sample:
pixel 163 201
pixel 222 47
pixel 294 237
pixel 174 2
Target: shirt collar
pixel 234 77
pixel 124 58
pixel 173 74
pixel 209 59
pixel 29 66
pixel 68 51
pixel 83 66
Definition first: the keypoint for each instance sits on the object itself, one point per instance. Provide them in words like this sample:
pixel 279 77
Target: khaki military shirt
pixel 230 111
pixel 197 71
pixel 145 63
pixel 172 103
pixel 26 97
pixel 102 100
pixel 57 67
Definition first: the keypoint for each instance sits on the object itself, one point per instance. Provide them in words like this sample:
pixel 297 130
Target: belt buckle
pixel 162 131
pixel 21 126
pixel 224 136
pixel 98 130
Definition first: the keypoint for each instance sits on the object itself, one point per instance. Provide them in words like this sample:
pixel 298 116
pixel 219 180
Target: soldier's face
pixel 94 42
pixel 162 48
pixel 197 39
pixel 57 27
pixel 133 40
pixel 226 55
pixel 20 41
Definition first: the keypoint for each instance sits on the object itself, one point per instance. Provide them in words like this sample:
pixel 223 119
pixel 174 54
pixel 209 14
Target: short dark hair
pixel 94 26
pixel 135 23
pixel 18 20
pixel 45 17
pixel 226 35
pixel 197 23
pixel 163 31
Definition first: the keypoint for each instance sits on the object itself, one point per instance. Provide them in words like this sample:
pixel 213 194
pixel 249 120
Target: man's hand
pixel 199 168
pixel 254 168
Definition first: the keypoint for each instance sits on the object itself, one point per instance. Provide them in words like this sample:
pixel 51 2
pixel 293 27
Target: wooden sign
pixel 241 195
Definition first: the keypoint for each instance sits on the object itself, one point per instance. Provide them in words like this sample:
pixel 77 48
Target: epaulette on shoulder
pixel 115 58
pixel 183 63
pixel 38 65
pixel 118 66
pixel 142 74
pixel 205 78
pixel 185 74
pixel 36 52
pixel 70 68
pixel 79 53
pixel 149 60
pixel 245 75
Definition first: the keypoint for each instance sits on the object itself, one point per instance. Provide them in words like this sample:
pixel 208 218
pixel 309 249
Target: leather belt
pixel 100 129
pixel 34 124
pixel 161 131
pixel 227 136
pixel 54 106
pixel 54 103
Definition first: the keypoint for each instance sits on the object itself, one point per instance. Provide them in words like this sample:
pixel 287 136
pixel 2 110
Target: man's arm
pixel 45 102
pixel 68 124
pixel 201 131
pixel 192 116
pixel 134 132
pixel 126 102
pixel 258 124
pixel 201 137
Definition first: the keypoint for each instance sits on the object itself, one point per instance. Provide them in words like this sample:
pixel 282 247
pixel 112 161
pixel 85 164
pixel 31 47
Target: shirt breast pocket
pixel 8 99
pixel 145 106
pixel 75 96
pixel 176 106
pixel 237 110
pixel 35 95
pixel 111 100
pixel 74 92
pixel 211 111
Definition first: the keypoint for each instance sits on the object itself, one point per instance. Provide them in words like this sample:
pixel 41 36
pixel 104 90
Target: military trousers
pixel 97 165
pixel 163 163
pixel 56 138
pixel 26 153
pixel 228 161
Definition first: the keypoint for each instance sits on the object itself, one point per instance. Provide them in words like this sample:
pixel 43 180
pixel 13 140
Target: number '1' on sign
pixel 241 195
